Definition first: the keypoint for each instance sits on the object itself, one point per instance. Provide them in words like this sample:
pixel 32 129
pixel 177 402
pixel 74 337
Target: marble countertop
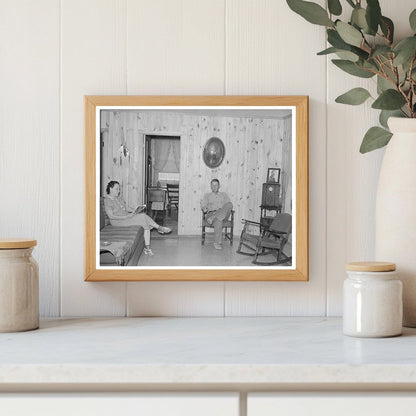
pixel 204 351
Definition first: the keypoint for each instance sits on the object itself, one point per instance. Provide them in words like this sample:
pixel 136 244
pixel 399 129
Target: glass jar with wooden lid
pixel 19 286
pixel 372 300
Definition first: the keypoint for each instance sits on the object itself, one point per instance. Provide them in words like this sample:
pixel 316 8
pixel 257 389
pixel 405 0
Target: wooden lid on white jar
pixel 12 243
pixel 371 266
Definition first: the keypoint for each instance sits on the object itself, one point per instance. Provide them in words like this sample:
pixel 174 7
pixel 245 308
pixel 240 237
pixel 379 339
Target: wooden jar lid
pixel 11 243
pixel 371 266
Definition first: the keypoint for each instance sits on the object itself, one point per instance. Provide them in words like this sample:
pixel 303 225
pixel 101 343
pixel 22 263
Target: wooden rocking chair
pixel 258 240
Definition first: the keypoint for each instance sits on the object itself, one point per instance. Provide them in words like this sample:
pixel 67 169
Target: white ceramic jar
pixel 19 286
pixel 372 300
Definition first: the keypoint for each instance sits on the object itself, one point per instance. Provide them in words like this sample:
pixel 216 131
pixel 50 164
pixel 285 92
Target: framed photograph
pixel 273 175
pixel 174 188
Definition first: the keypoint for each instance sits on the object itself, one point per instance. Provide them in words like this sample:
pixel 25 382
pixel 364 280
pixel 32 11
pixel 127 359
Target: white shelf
pixel 294 352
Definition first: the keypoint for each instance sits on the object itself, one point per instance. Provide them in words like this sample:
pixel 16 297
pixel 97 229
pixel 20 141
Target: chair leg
pixel 255 257
pixel 278 255
pixel 203 236
pixel 251 250
pixel 240 243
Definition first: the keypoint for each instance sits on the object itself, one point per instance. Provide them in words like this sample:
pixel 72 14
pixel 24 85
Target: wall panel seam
pixel 126 56
pixel 224 289
pixel 225 49
pixel 326 184
pixel 60 294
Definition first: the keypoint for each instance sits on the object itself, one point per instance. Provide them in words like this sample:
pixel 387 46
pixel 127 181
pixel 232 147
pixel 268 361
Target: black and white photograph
pixel 185 187
pixel 273 175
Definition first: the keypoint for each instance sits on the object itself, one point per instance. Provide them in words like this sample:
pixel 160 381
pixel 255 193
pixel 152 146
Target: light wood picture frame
pixel 252 130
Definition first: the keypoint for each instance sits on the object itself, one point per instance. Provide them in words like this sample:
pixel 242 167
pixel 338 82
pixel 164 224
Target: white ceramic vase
pixel 396 210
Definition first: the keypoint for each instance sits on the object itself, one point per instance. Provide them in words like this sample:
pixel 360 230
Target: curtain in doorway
pixel 160 156
pixel 176 150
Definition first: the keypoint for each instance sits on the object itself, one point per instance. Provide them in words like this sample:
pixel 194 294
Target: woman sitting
pixel 119 215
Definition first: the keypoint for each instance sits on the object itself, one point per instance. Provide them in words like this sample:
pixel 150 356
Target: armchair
pixel 228 225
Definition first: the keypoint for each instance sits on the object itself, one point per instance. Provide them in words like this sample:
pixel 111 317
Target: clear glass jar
pixel 19 286
pixel 372 300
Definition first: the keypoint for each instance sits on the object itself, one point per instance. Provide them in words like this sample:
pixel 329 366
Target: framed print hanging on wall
pixel 176 188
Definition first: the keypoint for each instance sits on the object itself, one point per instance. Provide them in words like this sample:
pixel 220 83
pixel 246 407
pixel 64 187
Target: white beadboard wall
pixel 56 51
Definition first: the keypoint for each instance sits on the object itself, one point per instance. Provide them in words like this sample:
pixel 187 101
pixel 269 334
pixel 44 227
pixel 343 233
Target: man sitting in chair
pixel 217 206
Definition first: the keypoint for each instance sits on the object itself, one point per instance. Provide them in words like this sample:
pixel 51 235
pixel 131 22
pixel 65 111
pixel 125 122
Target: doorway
pixel 162 179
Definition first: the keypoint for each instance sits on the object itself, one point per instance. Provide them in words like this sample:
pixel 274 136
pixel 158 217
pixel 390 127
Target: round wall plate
pixel 214 152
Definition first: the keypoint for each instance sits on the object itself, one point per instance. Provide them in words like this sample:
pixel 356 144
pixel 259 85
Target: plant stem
pixel 384 73
pixel 412 86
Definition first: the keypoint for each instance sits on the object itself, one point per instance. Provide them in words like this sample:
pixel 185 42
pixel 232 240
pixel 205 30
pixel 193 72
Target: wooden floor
pixel 188 251
pixel 173 250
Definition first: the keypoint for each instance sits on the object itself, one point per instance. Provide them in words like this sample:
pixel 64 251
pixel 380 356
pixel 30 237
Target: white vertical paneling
pixel 93 62
pixel 29 135
pixel 175 47
pixel 271 50
pixel 352 177
pixel 175 299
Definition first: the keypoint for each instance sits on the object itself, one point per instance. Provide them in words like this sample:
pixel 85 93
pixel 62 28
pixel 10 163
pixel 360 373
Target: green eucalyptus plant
pixel 365 48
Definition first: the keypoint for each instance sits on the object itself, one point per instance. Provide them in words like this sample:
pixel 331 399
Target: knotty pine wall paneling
pixel 262 141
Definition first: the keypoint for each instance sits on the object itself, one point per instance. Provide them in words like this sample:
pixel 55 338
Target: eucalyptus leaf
pixel 350 56
pixel 373 15
pixel 336 41
pixel 327 51
pixel 352 68
pixel 383 84
pixel 358 18
pixel 381 50
pixel 412 20
pixel 360 52
pixel 387 27
pixel 386 114
pixel 373 65
pixel 347 55
pixel 375 138
pixel 334 7
pixel 311 12
pixel 356 96
pixel 405 51
pixel 389 100
pixel 349 34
